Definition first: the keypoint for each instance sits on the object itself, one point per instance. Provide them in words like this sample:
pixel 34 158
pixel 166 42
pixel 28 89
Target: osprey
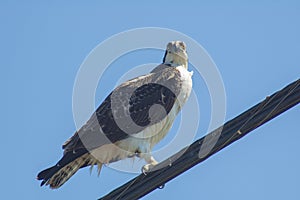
pixel 131 120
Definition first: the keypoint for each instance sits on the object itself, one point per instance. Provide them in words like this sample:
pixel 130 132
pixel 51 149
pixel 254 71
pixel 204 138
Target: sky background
pixel 254 45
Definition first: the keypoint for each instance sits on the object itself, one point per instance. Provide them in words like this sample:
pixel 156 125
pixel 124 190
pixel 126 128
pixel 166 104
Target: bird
pixel 134 117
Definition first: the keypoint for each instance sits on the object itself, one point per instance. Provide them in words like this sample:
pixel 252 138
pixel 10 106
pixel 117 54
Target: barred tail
pixel 57 175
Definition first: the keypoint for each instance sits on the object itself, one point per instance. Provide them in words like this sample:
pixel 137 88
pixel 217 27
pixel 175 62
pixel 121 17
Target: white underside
pixel 145 140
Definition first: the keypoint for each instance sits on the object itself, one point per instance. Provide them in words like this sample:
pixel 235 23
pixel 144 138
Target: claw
pixel 145 169
pixel 151 163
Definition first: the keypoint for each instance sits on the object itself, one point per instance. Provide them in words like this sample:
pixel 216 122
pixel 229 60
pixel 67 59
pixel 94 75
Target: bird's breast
pixel 186 85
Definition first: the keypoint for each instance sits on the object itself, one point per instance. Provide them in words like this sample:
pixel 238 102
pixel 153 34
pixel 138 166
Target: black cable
pixel 231 131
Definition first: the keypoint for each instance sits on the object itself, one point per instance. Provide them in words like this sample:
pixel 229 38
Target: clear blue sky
pixel 255 46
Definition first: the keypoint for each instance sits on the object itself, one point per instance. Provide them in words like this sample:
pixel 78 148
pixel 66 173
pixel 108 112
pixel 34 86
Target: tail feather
pixel 57 175
pixel 64 174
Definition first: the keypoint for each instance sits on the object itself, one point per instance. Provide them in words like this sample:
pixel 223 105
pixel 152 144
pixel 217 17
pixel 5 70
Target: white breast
pixel 186 88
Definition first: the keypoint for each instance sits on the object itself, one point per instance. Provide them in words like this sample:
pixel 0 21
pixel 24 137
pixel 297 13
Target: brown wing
pixel 127 110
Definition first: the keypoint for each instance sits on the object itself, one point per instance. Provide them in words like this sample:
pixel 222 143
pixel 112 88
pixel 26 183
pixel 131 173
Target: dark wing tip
pixel 45 175
pixel 42 183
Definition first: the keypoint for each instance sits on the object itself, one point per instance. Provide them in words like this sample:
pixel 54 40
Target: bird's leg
pixel 150 160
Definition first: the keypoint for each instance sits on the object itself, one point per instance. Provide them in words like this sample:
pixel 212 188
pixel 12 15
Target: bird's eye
pixel 182 45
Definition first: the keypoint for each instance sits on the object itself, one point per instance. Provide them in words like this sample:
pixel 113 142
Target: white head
pixel 176 54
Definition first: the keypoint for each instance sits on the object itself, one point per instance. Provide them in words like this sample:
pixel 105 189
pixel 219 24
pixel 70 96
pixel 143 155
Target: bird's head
pixel 176 54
